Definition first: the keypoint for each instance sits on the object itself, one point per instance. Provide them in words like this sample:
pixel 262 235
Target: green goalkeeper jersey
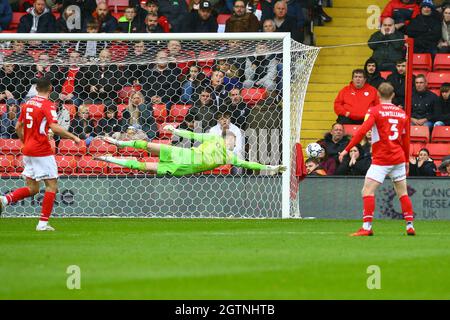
pixel 213 153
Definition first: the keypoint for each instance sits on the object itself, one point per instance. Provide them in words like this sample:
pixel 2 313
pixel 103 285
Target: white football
pixel 313 150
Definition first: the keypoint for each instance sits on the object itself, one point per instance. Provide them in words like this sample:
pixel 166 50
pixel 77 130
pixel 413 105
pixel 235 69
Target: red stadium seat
pixel 132 152
pixel 207 71
pixel 436 79
pixel 441 62
pixel 118 5
pixel 14 24
pixel 422 61
pixel 206 58
pixel 87 165
pixel 222 18
pixel 117 15
pixel 6 52
pixel 160 112
pixel 441 134
pixel 125 93
pixel 66 164
pixel 417 72
pixel 414 148
pixel 178 112
pixel 96 111
pixel 98 147
pixel 10 146
pixel 438 150
pixel 436 92
pixel 385 74
pixel 253 95
pixel 163 134
pixel 7 163
pixel 2 108
pixel 420 134
pixel 351 129
pixel 119 50
pixel 68 147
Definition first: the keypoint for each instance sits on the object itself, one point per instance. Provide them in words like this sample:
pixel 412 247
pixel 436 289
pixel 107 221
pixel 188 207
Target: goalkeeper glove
pixel 277 169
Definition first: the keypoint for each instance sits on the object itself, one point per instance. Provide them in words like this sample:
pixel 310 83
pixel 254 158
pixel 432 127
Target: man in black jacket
pixel 397 79
pixel 335 141
pixel 107 23
pixel 373 75
pixel 39 19
pixel 286 23
pixel 201 20
pixel 423 103
pixel 441 114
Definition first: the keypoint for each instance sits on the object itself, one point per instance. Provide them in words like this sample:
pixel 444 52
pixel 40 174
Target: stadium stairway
pixel 333 66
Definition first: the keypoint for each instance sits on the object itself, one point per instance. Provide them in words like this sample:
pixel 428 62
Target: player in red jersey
pixel 37 116
pixel 388 124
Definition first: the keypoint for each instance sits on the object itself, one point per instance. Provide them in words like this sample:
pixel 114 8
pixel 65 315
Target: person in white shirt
pixel 224 124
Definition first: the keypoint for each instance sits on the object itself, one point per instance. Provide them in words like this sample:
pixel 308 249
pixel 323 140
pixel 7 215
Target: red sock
pixel 47 205
pixel 18 195
pixel 407 208
pixel 369 208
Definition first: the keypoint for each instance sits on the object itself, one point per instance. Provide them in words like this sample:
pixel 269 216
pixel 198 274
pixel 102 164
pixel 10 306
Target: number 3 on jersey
pixel 394 129
pixel 29 117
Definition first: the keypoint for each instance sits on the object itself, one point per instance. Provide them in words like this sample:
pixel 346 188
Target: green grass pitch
pixel 222 259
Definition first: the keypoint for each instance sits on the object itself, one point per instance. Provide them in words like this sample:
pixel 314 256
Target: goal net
pixel 130 87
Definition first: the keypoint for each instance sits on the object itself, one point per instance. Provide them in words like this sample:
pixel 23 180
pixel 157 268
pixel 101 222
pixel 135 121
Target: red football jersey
pixel 37 114
pixel 388 125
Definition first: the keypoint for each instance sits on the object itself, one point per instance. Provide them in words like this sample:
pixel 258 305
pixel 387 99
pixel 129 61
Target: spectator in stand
pixel 191 85
pixel 423 165
pixel 106 22
pixel 176 52
pixel 5 14
pixel 218 90
pixel 240 20
pixel 444 43
pixel 140 116
pixel 262 9
pixel 444 167
pixel 373 74
pixel 175 11
pixel 150 6
pixel 109 124
pixel 441 111
pixel 313 167
pixel 68 21
pixel 194 5
pixel 68 86
pixel 20 54
pixel 335 141
pixel 223 124
pixel 233 73
pixel 366 144
pixel 354 164
pixel 285 23
pixel 423 103
pixel 161 83
pixel 402 11
pixel 151 24
pixel 397 79
pixel 12 79
pixel 9 119
pixel 295 10
pixel 261 69
pixel 201 20
pixel 43 68
pixel 326 162
pixel 63 116
pixel 238 108
pixel 82 125
pixel 204 111
pixel 129 23
pixel 90 49
pixel 98 83
pixel 134 72
pixel 269 26
pixel 426 29
pixel 38 19
pixel 354 100
pixel 131 133
pixel 387 53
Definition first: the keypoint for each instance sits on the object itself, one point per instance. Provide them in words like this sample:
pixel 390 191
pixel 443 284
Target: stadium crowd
pixel 428 24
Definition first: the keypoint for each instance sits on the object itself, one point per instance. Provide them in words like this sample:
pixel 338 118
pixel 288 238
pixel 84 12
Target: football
pixel 313 150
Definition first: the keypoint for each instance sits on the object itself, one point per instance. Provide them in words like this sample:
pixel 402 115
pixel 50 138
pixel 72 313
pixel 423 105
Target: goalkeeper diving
pixel 214 151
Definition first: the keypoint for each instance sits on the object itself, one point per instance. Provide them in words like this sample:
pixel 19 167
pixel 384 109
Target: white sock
pixel 409 225
pixel 367 225
pixel 42 223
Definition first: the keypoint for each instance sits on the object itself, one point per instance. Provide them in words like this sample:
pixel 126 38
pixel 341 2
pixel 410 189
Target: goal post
pixel 270 70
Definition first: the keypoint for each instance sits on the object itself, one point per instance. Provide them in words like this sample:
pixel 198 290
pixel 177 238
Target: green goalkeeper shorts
pixel 176 161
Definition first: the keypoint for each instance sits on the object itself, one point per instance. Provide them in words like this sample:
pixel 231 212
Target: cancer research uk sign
pixel 342 198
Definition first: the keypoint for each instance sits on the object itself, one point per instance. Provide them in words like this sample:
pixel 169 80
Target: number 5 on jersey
pixel 29 117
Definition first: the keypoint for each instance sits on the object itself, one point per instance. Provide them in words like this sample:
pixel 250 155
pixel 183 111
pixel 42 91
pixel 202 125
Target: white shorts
pixel 378 173
pixel 40 168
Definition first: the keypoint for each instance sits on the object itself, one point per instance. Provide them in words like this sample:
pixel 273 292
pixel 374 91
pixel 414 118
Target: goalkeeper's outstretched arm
pixel 255 165
pixel 202 137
